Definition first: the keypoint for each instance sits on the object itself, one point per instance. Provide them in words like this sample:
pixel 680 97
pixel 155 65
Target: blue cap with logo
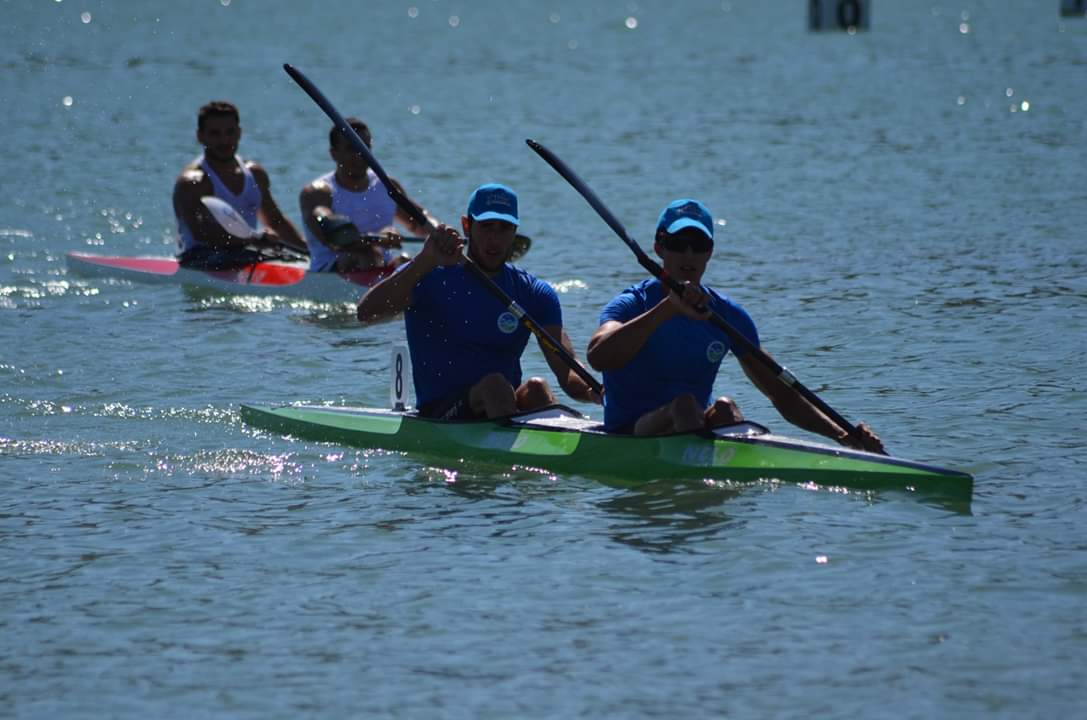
pixel 493 201
pixel 685 213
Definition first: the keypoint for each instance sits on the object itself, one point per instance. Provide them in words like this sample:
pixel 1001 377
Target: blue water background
pixel 902 211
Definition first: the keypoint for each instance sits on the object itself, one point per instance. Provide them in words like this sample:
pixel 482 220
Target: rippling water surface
pixel 901 210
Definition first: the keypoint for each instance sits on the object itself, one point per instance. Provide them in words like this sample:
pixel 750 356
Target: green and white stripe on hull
pixel 558 439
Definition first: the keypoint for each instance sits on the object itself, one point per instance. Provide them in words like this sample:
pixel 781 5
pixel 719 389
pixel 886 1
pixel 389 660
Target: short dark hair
pixel 219 108
pixel 358 125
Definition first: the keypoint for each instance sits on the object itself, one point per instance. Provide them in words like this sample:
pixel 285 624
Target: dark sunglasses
pixel 695 240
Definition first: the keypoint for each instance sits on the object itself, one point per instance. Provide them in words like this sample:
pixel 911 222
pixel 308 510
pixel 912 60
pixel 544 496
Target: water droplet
pixel 965 15
pixel 226 3
pixel 415 109
pixel 964 28
pixel 413 12
pixel 85 17
pixel 1025 106
pixel 821 559
pixel 631 22
pixel 67 101
pixel 1009 92
pixel 454 21
pixel 572 44
pixel 554 17
pixel 961 100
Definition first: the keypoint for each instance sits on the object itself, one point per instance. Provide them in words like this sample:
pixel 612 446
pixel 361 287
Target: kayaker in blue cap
pixel 660 357
pixel 244 185
pixel 341 206
pixel 465 345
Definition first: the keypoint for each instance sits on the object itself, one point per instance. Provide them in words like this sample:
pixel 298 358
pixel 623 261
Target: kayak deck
pixel 272 277
pixel 558 439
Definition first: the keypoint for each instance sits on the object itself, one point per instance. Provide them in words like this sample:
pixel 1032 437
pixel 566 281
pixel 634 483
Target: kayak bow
pixel 560 440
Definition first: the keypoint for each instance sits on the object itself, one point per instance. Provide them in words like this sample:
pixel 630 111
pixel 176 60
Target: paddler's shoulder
pixel 520 276
pixel 193 181
pixel 191 174
pixel 317 189
pixel 259 173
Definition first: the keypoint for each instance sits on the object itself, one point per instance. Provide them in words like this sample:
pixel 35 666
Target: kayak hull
pixel 275 278
pixel 559 440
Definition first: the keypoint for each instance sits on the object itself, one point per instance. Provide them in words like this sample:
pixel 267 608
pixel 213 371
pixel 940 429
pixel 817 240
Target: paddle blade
pixel 339 230
pixel 521 245
pixel 229 218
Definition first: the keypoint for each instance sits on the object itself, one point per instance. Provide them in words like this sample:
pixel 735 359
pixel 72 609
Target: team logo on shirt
pixel 715 351
pixel 507 323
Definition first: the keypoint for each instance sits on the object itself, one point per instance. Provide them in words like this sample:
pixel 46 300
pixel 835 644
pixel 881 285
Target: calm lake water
pixel 901 210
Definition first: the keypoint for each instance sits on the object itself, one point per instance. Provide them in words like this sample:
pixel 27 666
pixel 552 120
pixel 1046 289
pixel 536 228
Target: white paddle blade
pixel 229 218
pixel 398 380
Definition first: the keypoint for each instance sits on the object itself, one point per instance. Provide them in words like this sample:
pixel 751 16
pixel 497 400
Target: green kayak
pixel 558 439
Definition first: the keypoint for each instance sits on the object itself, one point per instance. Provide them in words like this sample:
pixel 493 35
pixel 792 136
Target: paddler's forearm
pixel 615 344
pixel 393 294
pixel 575 387
pixel 288 234
pixel 570 382
pixel 804 415
pixel 793 407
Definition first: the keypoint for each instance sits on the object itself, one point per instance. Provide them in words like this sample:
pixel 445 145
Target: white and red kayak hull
pixel 272 277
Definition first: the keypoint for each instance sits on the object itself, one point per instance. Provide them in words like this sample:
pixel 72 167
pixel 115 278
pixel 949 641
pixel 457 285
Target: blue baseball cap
pixel 685 213
pixel 493 201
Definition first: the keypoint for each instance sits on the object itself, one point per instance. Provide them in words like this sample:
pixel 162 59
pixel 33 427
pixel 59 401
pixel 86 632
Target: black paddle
pixel 419 217
pixel 521 243
pixel 675 286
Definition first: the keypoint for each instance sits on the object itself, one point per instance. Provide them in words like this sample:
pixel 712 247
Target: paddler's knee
pixel 687 413
pixel 534 393
pixel 724 411
pixel 493 396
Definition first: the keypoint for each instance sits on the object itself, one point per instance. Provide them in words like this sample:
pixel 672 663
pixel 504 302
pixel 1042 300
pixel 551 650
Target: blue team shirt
pixel 458 332
pixel 682 356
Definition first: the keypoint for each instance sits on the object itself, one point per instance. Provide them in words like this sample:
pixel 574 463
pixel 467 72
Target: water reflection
pixel 664 516
pixel 659 516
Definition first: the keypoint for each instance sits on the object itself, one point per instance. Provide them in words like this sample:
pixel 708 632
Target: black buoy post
pixel 847 15
pixel 1073 8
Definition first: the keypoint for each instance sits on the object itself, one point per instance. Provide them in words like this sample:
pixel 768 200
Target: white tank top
pixel 247 202
pixel 370 211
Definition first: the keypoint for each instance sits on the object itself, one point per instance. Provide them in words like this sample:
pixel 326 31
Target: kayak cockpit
pixel 561 417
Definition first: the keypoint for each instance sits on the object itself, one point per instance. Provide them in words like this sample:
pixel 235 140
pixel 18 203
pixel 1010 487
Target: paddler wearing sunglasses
pixel 660 357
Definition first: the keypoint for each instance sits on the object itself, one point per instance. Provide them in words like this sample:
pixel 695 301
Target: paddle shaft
pixel 675 286
pixel 417 214
pixel 521 243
